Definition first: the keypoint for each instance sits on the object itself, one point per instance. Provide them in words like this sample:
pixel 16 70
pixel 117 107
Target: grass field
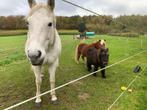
pixel 8 33
pixel 17 81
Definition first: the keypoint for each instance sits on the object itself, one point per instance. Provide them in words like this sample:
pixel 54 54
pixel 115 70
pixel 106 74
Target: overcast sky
pixel 104 7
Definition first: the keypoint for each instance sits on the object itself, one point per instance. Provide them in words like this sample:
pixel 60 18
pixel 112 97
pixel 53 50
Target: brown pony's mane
pixel 99 44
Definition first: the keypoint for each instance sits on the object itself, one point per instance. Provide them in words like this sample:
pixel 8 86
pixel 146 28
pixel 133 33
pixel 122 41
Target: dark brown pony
pixel 97 58
pixel 82 49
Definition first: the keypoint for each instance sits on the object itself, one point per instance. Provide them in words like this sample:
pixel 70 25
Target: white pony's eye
pixel 50 24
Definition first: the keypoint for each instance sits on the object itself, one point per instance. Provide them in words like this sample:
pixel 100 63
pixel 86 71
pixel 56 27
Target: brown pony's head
pixel 100 44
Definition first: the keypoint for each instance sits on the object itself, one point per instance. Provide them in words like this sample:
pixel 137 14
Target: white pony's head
pixel 41 31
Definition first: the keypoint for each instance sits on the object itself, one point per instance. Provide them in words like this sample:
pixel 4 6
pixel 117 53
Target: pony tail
pixel 76 54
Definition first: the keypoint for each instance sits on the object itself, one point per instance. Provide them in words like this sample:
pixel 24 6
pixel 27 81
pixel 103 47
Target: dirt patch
pixel 84 96
pixel 78 83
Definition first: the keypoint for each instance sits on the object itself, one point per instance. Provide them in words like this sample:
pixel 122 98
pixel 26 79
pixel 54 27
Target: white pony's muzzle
pixel 35 57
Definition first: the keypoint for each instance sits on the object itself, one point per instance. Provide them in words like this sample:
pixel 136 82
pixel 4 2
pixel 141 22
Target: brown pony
pixel 82 49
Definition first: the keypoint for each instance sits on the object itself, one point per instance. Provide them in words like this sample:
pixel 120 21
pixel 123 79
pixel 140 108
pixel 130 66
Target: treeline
pixel 12 23
pixel 99 24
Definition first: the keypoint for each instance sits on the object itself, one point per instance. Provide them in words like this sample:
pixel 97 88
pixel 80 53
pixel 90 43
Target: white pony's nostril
pixel 39 54
pixel 35 54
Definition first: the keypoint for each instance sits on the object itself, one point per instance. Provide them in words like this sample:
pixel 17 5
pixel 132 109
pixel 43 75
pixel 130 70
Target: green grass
pixel 9 33
pixel 17 81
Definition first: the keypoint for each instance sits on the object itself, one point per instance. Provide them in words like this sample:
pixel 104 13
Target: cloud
pixel 13 7
pixel 103 7
pixel 63 8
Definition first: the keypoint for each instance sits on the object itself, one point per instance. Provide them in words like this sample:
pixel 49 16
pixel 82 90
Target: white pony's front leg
pixel 37 72
pixel 52 70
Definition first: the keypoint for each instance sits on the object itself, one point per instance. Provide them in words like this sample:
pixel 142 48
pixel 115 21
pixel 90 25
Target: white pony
pixel 43 43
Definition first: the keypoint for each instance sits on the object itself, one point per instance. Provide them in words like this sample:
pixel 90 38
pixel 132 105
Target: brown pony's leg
pixel 95 69
pixel 89 66
pixel 77 54
pixel 78 57
pixel 103 72
pixel 84 59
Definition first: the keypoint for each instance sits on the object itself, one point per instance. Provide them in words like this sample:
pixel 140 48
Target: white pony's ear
pixel 51 3
pixel 31 3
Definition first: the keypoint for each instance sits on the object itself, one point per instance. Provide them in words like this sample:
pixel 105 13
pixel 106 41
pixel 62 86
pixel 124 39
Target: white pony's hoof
pixel 38 105
pixel 56 102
